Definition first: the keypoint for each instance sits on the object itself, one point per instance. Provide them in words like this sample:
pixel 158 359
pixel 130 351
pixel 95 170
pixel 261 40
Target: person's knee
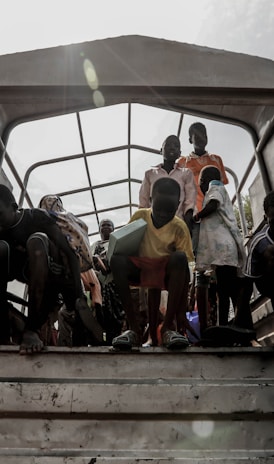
pixel 38 245
pixel 178 260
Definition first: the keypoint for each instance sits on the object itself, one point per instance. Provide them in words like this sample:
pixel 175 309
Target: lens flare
pixel 203 429
pixel 98 99
pixel 90 74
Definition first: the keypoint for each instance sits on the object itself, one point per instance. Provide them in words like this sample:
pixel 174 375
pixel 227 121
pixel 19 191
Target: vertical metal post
pixel 239 201
pixel 86 163
pixel 129 157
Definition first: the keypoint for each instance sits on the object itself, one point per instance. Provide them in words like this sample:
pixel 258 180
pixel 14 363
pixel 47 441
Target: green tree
pixel 247 212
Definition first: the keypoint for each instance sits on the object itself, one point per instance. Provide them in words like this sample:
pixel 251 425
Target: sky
pixel 236 25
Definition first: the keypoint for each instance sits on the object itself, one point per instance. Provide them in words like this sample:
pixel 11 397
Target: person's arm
pixel 222 169
pixel 144 192
pixel 190 195
pixel 209 208
pixel 188 220
pixel 190 192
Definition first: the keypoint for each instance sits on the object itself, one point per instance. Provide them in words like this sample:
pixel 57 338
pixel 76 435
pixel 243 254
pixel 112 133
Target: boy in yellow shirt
pixel 164 253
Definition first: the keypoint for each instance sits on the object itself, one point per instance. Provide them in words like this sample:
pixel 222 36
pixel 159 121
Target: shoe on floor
pixel 173 340
pixel 126 341
pixel 227 335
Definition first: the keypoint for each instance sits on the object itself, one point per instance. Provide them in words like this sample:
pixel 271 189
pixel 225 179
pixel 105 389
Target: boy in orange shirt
pixel 196 161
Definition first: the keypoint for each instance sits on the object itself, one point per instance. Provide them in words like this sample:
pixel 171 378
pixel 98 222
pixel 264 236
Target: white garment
pixel 220 241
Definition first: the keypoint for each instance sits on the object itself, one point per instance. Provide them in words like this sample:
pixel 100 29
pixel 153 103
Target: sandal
pixel 126 341
pixel 31 343
pixel 174 340
pixel 227 335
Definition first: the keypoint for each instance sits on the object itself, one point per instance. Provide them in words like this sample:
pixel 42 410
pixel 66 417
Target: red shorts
pixel 153 271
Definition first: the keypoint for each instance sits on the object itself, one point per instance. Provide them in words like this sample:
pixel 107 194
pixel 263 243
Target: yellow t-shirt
pixel 173 236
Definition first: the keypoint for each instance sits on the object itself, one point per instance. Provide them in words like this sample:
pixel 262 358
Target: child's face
pixel 7 215
pixel 198 139
pixel 204 182
pixel 106 228
pixel 171 148
pixel 163 208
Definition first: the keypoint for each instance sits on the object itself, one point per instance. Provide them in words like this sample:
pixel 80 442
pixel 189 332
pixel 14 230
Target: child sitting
pixel 162 264
pixel 259 267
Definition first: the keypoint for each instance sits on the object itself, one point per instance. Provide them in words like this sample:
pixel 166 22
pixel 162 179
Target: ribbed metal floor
pixel 90 405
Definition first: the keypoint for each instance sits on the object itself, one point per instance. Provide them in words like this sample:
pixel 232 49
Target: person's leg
pixel 4 307
pixel 202 285
pixel 125 272
pixel 243 316
pixel 227 287
pixel 37 277
pixel 12 263
pixel 177 284
pixel 154 298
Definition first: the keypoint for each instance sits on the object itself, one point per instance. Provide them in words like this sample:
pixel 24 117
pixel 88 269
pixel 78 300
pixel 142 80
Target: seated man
pixel 33 250
pixel 259 266
pixel 162 264
pixel 77 328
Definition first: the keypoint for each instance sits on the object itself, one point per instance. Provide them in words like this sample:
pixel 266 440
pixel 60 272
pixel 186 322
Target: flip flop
pixel 126 341
pixel 227 335
pixel 174 340
pixel 89 320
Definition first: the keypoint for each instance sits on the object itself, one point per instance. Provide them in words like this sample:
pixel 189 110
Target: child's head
pixel 171 148
pixel 165 199
pixel 106 226
pixel 207 174
pixel 51 202
pixel 198 136
pixel 269 210
pixel 8 207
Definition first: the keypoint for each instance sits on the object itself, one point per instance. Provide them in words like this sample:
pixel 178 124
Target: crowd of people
pixel 190 225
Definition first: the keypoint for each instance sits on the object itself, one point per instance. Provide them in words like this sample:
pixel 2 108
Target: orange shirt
pixel 196 164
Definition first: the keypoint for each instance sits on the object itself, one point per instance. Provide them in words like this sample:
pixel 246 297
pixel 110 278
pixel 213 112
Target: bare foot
pixel 31 343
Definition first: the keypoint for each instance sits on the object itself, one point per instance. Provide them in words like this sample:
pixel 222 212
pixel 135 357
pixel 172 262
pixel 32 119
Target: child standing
pixel 220 246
